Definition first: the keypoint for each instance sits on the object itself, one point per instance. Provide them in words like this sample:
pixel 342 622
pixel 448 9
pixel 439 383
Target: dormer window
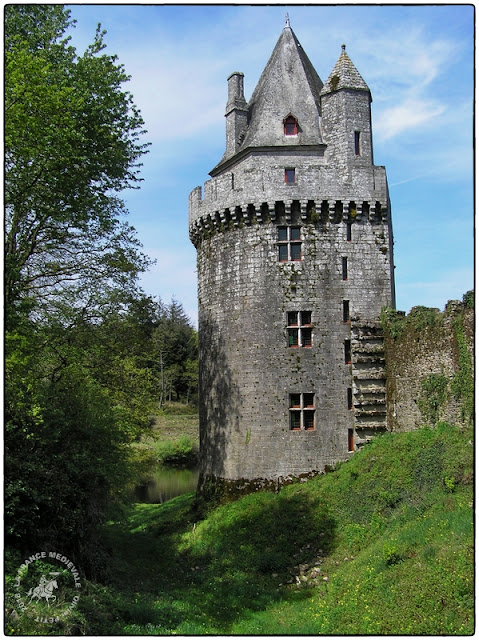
pixel 290 126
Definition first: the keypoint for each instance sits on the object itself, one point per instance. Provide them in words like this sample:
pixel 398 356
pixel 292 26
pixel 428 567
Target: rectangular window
pixel 306 338
pixel 349 231
pixel 344 267
pixel 293 319
pixel 293 337
pixel 357 148
pixel 347 351
pixel 345 310
pixel 305 317
pixel 289 249
pixel 301 411
pixel 300 333
pixel 308 420
pixel 295 420
pixel 350 398
pixel 350 439
pixel 295 233
pixel 296 251
pixel 283 253
pixel 290 176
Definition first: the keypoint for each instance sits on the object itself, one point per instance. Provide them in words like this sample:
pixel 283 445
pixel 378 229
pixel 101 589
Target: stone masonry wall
pixel 425 349
pixel 247 369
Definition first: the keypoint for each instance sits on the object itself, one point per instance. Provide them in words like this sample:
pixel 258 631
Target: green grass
pixel 388 536
pixel 177 420
pixel 173 439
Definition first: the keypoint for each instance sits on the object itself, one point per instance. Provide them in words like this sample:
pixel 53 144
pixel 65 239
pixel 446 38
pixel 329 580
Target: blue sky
pixel 419 64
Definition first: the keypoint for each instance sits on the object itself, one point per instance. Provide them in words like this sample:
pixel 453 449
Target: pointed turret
pixel 289 85
pixel 344 76
pixel 346 117
pixel 289 89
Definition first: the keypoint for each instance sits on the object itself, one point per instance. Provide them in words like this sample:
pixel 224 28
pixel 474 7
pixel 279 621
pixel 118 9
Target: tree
pixel 174 340
pixel 71 145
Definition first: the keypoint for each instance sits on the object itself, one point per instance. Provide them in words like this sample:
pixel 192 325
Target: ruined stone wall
pixel 424 358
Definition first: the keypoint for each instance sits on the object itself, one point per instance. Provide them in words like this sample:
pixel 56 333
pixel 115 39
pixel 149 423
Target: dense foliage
pixel 88 357
pixel 71 145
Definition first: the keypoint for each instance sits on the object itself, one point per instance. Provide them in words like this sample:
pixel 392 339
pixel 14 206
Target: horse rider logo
pixel 65 578
pixel 45 588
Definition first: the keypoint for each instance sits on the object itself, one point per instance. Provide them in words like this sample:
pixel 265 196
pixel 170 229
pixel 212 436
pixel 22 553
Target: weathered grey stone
pixel 249 375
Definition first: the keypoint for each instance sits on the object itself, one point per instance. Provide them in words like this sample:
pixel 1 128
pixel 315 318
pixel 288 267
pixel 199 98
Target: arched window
pixel 290 126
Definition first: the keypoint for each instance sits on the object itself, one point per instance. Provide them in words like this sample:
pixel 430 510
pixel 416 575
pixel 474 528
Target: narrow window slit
pixel 349 231
pixel 347 351
pixel 350 439
pixel 357 147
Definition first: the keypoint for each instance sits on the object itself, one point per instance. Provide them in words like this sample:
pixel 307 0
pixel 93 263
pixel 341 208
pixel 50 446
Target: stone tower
pixel 294 241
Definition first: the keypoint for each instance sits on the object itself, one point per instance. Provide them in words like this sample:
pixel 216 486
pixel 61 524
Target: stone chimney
pixel 236 113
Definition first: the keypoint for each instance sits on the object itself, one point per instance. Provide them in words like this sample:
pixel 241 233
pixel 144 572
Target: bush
pixel 433 397
pixel 177 453
pixel 468 299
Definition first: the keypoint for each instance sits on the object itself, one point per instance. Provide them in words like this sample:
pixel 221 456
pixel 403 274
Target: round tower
pixel 294 243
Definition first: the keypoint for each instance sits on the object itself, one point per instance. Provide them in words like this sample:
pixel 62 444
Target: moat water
pixel 165 484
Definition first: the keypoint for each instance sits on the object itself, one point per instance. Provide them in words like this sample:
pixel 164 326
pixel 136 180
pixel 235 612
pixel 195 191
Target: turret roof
pixel 344 76
pixel 289 84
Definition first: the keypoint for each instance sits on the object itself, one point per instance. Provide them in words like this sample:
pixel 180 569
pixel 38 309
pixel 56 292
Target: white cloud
pixel 412 113
pixel 405 69
pixel 180 102
pixel 415 61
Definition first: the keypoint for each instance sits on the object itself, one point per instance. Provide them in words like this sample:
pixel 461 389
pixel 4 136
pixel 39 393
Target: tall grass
pixel 383 545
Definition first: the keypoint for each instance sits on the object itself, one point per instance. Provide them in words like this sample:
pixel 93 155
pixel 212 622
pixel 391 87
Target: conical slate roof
pixel 344 76
pixel 288 85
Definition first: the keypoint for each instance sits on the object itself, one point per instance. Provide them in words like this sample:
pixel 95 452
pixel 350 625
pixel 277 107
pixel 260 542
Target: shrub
pixel 177 453
pixel 434 395
pixel 468 299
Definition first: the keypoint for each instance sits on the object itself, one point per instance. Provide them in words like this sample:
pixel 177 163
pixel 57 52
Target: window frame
pixel 299 329
pixel 351 445
pixel 290 172
pixel 302 414
pixel 348 358
pixel 289 121
pixel 289 243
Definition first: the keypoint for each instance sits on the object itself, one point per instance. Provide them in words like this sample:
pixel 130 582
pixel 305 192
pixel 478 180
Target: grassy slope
pixel 383 545
pixel 172 426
